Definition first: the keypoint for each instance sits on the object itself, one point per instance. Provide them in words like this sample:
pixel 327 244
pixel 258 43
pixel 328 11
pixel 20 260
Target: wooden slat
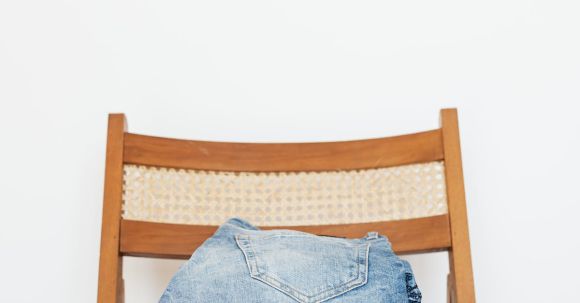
pixel 110 288
pixel 178 241
pixel 460 253
pixel 255 157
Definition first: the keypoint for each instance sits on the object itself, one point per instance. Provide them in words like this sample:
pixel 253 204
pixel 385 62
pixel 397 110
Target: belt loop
pixel 372 235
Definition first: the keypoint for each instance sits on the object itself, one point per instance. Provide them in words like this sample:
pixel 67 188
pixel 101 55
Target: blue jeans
pixel 242 264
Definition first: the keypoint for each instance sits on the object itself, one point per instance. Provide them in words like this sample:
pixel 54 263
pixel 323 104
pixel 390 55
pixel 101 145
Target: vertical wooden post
pixel 110 264
pixel 460 254
pixel 450 289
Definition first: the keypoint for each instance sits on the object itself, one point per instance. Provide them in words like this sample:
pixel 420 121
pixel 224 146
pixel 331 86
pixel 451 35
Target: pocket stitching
pixel 362 251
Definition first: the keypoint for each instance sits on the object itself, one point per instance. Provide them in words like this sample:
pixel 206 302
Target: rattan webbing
pixel 273 199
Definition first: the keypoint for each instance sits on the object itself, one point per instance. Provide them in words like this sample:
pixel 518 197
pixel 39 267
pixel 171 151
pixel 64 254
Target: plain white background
pixel 264 71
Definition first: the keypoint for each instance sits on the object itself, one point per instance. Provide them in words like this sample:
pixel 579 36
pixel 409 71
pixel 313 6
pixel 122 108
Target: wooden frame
pixel 121 237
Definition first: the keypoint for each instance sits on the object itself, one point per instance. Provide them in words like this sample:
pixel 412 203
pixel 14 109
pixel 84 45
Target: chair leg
pixel 121 288
pixel 450 289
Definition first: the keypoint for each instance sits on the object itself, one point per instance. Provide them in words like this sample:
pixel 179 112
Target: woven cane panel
pixel 270 199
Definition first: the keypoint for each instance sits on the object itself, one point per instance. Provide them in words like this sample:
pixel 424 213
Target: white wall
pixel 291 71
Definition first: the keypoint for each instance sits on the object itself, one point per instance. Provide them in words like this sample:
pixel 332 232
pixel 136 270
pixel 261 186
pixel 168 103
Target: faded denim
pixel 242 264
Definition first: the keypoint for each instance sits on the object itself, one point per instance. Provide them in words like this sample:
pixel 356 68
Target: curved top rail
pixel 283 157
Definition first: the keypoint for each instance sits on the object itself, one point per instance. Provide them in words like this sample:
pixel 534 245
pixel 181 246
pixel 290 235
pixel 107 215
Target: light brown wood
pixel 253 157
pixel 120 283
pixel 450 290
pixel 460 253
pixel 179 241
pixel 110 263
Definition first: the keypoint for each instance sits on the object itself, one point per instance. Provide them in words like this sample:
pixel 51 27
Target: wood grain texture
pixel 178 241
pixel 460 253
pixel 256 157
pixel 110 289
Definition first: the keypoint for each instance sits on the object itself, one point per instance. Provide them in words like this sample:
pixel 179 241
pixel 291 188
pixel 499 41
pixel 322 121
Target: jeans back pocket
pixel 305 267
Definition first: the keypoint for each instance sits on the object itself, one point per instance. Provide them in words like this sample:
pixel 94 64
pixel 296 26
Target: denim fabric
pixel 242 264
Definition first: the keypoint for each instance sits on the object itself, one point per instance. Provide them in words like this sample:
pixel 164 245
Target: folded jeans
pixel 243 264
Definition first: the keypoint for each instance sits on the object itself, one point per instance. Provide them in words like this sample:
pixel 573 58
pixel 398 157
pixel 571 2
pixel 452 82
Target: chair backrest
pixel 163 197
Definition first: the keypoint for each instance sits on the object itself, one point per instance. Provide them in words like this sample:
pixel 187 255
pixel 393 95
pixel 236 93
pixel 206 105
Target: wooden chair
pixel 163 197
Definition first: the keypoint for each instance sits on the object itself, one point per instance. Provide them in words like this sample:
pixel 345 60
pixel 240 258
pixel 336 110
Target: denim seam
pixel 249 257
pixel 340 241
pixel 362 250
